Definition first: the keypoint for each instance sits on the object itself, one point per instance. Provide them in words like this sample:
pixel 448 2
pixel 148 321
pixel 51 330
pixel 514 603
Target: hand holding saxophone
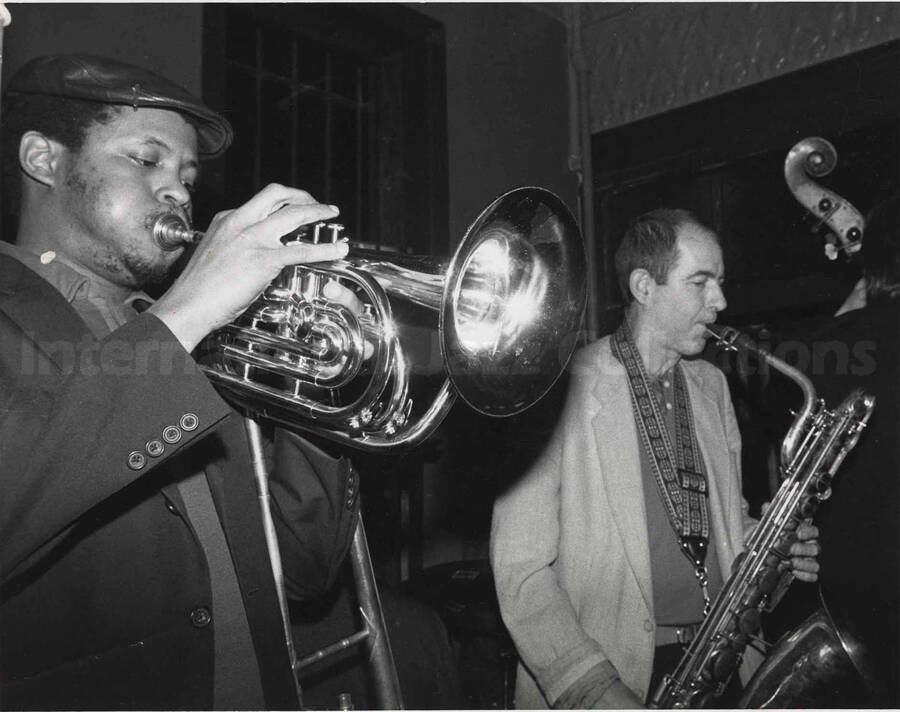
pixel 804 551
pixel 240 254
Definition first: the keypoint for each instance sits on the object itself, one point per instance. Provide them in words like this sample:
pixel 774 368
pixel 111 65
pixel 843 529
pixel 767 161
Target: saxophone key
pixel 723 664
pixel 749 621
pixel 809 506
pixel 766 583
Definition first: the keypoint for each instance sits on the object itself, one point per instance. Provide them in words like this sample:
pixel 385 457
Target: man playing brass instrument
pixel 134 567
pixel 606 552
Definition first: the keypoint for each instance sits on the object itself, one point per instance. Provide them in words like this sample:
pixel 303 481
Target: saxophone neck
pixel 730 339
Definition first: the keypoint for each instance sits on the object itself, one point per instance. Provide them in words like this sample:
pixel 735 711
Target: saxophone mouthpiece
pixel 725 336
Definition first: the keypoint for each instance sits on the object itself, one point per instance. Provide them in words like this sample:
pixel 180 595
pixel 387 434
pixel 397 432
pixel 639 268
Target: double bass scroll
pixel 815 157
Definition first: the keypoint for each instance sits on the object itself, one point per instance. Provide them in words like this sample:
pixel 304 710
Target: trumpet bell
pixel 513 300
pixel 507 309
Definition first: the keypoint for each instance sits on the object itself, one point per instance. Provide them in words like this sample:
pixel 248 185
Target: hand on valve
pixel 240 254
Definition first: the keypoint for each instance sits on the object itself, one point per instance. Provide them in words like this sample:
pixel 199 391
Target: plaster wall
pixel 507 104
pixel 647 58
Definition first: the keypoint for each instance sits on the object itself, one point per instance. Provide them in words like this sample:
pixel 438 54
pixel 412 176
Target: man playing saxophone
pixel 134 567
pixel 608 550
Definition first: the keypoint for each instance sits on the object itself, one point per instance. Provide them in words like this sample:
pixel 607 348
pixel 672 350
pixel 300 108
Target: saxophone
pixel 813 449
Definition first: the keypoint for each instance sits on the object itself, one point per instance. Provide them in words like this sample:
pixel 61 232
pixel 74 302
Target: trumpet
pixel 506 309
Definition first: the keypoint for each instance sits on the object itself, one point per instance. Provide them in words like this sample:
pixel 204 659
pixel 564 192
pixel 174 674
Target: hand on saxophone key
pixel 804 552
pixel 240 254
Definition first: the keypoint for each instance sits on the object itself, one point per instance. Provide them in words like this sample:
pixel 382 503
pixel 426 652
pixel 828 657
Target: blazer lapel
pixel 26 298
pixel 714 448
pixel 617 442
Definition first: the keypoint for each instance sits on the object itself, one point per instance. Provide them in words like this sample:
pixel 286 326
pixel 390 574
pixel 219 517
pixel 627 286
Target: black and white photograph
pixel 449 355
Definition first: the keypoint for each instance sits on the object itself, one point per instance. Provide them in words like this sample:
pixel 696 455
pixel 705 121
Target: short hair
pixel 650 243
pixel 881 251
pixel 61 119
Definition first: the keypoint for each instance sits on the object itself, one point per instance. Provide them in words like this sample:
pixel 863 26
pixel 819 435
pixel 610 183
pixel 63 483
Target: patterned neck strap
pixel 678 470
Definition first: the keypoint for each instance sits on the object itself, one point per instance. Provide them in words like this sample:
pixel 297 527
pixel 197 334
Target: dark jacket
pixel 859 527
pixel 105 599
pixel 860 522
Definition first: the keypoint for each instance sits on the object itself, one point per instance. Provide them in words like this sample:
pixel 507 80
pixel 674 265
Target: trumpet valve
pixel 335 229
pixel 317 232
pixel 303 232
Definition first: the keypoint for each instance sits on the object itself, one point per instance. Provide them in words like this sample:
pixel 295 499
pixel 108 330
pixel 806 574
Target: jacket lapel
pixel 714 448
pixel 617 442
pixel 27 299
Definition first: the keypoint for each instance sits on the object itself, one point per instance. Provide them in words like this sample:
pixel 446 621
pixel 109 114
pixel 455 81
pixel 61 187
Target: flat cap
pixel 94 78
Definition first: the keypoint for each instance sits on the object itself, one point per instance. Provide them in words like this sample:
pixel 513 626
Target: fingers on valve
pixel 290 217
pixel 275 196
pixel 301 252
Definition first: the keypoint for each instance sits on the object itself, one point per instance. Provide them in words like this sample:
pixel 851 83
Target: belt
pixel 682 634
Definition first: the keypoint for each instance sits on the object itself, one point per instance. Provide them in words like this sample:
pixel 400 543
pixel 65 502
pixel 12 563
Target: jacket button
pixel 136 460
pixel 154 448
pixel 171 434
pixel 189 422
pixel 648 626
pixel 200 617
pixel 171 507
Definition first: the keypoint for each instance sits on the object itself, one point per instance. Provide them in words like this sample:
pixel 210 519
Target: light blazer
pixel 569 543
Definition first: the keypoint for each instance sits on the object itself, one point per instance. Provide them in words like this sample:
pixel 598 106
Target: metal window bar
pixel 329 118
pixel 295 115
pixel 363 210
pixel 358 177
pixel 257 119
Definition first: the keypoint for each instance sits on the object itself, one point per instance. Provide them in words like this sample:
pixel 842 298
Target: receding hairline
pixel 700 229
pixel 702 233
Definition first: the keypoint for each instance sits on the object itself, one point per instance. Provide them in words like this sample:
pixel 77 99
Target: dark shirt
pixel 860 523
pixel 677 598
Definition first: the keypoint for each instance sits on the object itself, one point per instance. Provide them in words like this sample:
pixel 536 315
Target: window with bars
pixel 310 121
pixel 337 99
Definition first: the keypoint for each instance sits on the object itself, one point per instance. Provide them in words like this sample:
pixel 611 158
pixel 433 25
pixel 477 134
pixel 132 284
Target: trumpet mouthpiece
pixel 171 232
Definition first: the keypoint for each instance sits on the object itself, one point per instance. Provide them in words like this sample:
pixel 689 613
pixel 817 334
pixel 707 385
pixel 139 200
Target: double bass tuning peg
pixel 816 157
